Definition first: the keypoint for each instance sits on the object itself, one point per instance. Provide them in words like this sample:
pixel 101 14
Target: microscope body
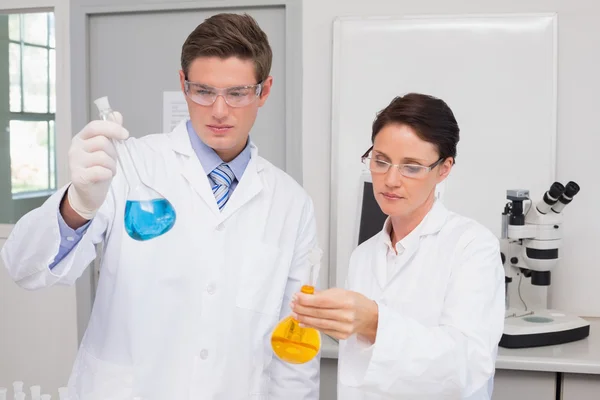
pixel 530 248
pixel 533 236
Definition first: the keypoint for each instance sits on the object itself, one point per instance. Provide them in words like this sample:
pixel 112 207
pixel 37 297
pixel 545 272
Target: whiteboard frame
pixel 335 111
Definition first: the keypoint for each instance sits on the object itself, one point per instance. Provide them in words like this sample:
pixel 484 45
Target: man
pixel 187 314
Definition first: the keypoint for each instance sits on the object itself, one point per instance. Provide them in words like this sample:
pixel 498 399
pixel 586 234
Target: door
pixel 524 385
pixel 581 387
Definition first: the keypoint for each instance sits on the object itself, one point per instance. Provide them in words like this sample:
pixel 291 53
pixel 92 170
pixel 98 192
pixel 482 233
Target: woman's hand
pixel 338 313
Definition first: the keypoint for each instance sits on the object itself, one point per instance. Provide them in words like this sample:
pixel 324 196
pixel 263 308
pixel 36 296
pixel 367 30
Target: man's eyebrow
pixel 239 87
pixel 203 85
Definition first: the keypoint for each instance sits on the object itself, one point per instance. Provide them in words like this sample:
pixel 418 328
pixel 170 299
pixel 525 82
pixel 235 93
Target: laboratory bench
pixel 569 371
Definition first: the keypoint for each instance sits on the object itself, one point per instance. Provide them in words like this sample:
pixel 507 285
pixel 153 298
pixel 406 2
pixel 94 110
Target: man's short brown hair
pixel 229 35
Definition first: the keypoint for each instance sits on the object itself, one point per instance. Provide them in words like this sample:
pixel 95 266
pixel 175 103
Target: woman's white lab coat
pixel 441 313
pixel 187 315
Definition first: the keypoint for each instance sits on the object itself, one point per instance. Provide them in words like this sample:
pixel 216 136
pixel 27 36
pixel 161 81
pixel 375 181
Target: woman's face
pixel 399 195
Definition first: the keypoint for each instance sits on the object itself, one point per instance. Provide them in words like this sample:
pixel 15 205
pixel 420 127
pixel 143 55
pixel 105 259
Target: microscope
pixel 530 243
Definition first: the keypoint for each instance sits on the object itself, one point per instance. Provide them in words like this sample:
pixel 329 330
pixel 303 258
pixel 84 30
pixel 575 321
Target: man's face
pixel 220 126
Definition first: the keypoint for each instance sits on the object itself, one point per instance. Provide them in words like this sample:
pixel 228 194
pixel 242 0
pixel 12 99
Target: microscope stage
pixel 541 328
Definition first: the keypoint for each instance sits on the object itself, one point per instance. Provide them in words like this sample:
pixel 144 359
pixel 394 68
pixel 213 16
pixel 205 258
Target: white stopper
pixel 36 392
pixel 63 393
pixel 17 386
pixel 102 104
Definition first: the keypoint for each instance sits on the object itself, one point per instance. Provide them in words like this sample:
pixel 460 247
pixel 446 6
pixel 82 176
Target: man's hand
pixel 338 313
pixel 93 164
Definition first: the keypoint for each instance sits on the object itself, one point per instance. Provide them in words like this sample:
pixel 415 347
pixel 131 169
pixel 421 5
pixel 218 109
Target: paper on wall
pixel 174 110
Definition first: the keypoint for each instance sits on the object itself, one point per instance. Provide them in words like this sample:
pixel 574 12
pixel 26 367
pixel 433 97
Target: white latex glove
pixel 93 164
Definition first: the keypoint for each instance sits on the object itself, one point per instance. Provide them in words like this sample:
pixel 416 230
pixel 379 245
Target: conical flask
pixel 148 214
pixel 291 342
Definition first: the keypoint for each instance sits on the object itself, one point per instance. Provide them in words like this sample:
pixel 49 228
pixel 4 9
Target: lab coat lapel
pixel 193 172
pixel 249 186
pixel 379 261
pixel 191 169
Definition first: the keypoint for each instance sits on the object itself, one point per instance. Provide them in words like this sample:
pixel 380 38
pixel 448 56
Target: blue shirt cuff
pixel 69 238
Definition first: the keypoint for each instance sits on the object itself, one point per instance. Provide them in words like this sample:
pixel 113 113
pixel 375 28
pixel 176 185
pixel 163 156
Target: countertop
pixel 581 357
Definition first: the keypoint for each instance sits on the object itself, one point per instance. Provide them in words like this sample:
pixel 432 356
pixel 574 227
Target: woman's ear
pixel 445 168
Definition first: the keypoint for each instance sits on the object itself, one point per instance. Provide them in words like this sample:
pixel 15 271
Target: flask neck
pixel 308 289
pixel 123 156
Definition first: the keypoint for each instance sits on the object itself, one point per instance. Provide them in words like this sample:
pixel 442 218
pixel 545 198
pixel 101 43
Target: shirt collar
pixel 210 160
pixel 432 223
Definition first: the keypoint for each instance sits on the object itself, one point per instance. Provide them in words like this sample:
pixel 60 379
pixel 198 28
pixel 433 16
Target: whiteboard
pixel 498 73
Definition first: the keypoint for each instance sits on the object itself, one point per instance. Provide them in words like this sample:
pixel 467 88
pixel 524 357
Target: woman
pixel 424 307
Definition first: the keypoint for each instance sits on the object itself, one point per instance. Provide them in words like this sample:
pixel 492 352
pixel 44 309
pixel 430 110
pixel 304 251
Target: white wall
pixel 38 334
pixel 575 281
pixel 38 330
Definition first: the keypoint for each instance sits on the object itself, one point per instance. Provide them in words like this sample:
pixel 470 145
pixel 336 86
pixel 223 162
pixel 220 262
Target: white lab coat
pixel 187 315
pixel 441 313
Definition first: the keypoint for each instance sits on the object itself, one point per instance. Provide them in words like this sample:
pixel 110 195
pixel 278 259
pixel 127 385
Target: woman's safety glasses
pixel 414 171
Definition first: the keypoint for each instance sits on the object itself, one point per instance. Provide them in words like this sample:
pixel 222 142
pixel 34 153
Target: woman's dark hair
pixel 430 118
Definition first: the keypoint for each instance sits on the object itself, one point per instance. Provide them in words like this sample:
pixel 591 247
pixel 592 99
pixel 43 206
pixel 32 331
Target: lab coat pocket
pixel 261 282
pixel 96 379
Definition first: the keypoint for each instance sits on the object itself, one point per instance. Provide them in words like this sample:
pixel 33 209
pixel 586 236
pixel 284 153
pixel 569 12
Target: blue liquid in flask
pixel 144 219
pixel 147 219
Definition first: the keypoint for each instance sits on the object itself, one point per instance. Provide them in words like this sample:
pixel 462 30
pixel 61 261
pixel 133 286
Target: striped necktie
pixel 222 177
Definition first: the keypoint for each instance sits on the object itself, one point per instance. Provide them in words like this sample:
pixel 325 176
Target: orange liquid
pixel 294 344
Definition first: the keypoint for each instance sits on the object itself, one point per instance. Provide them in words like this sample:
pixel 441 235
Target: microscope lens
pixel 556 190
pixel 551 197
pixel 572 189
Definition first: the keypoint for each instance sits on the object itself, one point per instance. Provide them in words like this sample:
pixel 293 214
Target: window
pixel 27 113
pixel 32 63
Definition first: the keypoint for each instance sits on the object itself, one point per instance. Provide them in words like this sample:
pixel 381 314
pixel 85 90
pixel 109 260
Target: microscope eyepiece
pixel 550 197
pixel 571 190
pixel 556 190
